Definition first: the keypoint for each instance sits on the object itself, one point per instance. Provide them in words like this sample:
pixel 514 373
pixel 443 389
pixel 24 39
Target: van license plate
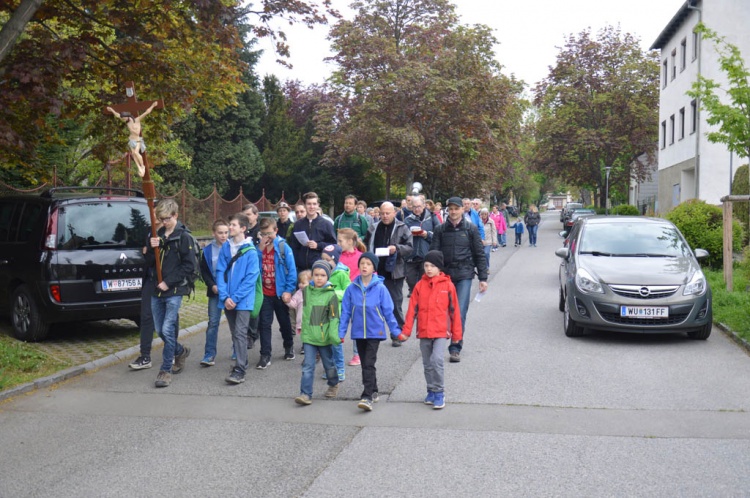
pixel 644 311
pixel 122 284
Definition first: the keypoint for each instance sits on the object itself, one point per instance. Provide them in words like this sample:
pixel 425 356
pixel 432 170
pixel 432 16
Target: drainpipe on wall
pixel 690 6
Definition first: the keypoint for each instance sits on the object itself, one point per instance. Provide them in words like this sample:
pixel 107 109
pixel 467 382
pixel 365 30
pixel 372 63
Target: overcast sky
pixel 528 31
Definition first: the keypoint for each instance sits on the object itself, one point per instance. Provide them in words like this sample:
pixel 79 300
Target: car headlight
pixel 696 286
pixel 586 283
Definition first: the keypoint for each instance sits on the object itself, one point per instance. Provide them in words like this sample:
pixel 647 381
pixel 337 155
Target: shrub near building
pixel 702 226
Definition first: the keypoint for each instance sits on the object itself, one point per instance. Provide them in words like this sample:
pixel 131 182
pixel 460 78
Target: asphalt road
pixel 529 413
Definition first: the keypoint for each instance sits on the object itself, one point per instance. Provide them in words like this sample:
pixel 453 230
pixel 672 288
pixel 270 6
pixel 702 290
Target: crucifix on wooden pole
pixel 132 112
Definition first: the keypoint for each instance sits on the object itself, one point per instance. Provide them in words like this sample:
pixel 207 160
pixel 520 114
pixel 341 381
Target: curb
pixel 94 365
pixel 733 335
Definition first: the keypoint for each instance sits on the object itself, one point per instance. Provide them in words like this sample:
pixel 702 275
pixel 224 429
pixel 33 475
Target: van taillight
pixel 55 291
pixel 50 241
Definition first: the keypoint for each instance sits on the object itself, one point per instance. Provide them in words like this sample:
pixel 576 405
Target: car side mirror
pixel 701 253
pixel 563 253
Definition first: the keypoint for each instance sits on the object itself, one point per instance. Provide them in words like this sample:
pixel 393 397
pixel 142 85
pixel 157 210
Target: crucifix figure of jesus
pixel 132 112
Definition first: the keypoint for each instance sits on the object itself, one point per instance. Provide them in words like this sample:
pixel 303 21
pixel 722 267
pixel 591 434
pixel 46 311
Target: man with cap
pixel 351 218
pixel 463 254
pixel 391 237
pixel 284 223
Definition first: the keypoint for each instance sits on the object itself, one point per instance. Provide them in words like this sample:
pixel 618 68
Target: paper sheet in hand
pixel 382 251
pixel 302 237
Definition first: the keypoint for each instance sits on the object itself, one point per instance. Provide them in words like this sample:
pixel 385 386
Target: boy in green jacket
pixel 320 324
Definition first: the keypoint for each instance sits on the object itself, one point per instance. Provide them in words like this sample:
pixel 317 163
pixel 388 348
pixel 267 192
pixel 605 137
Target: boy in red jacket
pixel 434 305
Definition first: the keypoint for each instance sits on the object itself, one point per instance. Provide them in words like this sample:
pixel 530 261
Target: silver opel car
pixel 632 274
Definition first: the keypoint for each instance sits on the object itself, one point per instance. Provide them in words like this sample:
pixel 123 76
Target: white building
pixel 689 165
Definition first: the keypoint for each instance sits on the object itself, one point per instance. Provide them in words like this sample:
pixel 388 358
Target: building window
pixel 671 129
pixel 674 63
pixel 682 123
pixel 665 73
pixel 663 134
pixel 695 45
pixel 683 54
pixel 693 116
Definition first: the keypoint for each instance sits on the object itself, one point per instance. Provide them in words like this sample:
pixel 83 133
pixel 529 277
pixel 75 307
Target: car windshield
pixel 102 224
pixel 634 239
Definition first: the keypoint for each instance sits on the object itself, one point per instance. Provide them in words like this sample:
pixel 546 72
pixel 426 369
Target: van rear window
pixel 102 224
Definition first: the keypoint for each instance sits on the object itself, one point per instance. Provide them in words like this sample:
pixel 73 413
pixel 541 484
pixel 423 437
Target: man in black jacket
pixel 463 254
pixel 318 230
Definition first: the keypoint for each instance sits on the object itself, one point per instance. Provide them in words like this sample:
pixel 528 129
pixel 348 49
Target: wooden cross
pixel 135 108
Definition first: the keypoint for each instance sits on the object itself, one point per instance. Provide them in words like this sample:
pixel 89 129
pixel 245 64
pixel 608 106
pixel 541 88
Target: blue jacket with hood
pixel 241 278
pixel 370 309
pixel 286 271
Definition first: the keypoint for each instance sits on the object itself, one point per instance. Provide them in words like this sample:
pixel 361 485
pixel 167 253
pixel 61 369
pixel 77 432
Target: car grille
pixel 653 322
pixel 644 291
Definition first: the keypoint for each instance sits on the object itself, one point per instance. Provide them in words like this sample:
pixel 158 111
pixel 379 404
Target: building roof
pixel 671 28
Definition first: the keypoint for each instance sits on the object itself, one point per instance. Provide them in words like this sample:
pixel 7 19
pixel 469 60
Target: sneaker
pixel 430 399
pixel 342 377
pixel 289 355
pixel 263 363
pixel 365 404
pixel 163 379
pixel 303 399
pixel 439 401
pixel 302 350
pixel 395 343
pixel 332 391
pixel 140 363
pixel 355 361
pixel 179 360
pixel 234 356
pixel 455 357
pixel 208 361
pixel 375 397
pixel 236 377
pixel 250 343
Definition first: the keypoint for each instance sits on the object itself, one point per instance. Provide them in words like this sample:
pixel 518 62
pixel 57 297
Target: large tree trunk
pixel 16 24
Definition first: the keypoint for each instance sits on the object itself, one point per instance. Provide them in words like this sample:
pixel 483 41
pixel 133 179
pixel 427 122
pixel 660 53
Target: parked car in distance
pixel 565 212
pixel 575 214
pixel 632 274
pixel 69 255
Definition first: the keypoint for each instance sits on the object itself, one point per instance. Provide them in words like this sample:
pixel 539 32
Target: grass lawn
pixel 731 308
pixel 22 362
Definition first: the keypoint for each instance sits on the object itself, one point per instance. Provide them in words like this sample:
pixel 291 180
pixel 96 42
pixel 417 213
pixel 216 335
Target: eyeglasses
pixel 164 220
pixel 266 234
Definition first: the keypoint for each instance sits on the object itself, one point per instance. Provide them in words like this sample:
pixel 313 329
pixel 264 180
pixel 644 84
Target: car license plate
pixel 644 311
pixel 121 284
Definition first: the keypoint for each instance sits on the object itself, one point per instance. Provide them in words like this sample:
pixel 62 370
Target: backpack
pixel 197 253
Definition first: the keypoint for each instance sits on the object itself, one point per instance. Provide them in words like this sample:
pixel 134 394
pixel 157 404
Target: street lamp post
pixel 606 200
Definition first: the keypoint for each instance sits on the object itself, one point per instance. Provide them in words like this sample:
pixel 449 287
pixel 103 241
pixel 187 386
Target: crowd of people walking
pixel 325 281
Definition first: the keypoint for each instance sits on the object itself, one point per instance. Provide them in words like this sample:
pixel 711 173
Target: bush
pixel 625 210
pixel 702 226
pixel 740 209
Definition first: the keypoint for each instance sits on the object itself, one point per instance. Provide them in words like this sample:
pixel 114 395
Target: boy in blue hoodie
pixel 368 306
pixel 236 274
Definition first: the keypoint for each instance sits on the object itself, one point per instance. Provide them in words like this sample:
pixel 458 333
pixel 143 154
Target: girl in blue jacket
pixel 368 306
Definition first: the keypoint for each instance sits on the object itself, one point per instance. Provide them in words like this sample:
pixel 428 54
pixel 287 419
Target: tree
pixel 73 58
pixel 598 107
pixel 14 27
pixel 419 97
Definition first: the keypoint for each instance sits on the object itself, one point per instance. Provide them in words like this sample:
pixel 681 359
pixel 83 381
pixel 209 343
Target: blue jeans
pixel 503 239
pixel 338 359
pixel 166 311
pixel 212 332
pixel 487 251
pixel 532 233
pixel 308 367
pixel 463 289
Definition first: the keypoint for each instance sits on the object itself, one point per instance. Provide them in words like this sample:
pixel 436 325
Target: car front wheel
pixel 572 329
pixel 701 334
pixel 28 325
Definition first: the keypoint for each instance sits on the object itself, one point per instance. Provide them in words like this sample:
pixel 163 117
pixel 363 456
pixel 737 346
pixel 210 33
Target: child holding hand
pixel 295 304
pixel 434 306
pixel 369 307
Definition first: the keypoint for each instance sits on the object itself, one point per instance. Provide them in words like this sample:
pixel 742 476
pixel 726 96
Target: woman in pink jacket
pixel 499 220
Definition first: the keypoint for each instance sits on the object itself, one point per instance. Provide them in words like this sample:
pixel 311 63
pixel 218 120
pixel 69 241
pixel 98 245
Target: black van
pixel 68 255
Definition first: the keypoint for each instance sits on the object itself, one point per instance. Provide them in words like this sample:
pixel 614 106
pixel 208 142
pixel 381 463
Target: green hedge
pixel 702 226
pixel 740 209
pixel 625 210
